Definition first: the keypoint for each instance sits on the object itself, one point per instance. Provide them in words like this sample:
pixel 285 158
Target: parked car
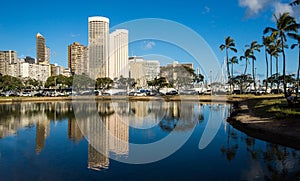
pixel 173 92
pixel 38 94
pixel 237 91
pixel 13 94
pixel 131 93
pixel 140 94
pixel 26 94
pixel 275 91
pixel 105 94
pixel 120 94
pixel 189 92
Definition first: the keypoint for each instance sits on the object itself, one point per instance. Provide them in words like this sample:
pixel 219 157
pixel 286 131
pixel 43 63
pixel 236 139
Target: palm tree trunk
pixel 271 71
pixel 277 81
pixel 232 70
pixel 246 66
pixel 253 75
pixel 267 69
pixel 298 72
pixel 283 67
pixel 227 63
pixel 231 83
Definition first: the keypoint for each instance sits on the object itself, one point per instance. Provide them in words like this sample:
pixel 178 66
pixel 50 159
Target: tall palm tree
pixel 276 55
pixel 274 50
pixel 229 45
pixel 297 38
pixel 254 47
pixel 266 42
pixel 247 55
pixel 284 24
pixel 233 60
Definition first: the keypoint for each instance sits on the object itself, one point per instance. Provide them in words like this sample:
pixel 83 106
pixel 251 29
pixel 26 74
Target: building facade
pixel 40 49
pixel 143 70
pixel 47 55
pixel 98 40
pixel 118 56
pixel 78 58
pixel 9 56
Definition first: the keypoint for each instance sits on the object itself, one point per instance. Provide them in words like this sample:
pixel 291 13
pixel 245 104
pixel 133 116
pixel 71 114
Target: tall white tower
pixel 98 46
pixel 118 54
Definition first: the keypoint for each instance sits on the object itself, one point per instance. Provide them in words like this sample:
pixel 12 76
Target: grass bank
pixel 268 119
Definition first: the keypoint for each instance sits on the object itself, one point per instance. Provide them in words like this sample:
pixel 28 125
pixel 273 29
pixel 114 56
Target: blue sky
pixel 64 22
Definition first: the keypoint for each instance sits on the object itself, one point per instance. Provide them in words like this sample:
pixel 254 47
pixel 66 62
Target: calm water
pixel 48 141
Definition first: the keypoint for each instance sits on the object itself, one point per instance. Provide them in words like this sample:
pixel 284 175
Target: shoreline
pixel 277 131
pixel 200 98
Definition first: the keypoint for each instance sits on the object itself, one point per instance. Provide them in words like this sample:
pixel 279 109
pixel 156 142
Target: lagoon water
pixel 101 141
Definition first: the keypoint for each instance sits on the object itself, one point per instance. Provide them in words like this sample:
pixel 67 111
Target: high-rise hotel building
pixel 40 49
pixel 118 54
pixel 98 40
pixel 78 58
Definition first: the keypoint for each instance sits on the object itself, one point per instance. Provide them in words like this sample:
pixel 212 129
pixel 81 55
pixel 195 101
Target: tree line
pixel 274 42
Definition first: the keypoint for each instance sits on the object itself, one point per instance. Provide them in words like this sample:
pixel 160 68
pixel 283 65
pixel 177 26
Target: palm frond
pixel 233 49
pixel 222 47
pixel 294 45
pixel 295 3
pixel 269 29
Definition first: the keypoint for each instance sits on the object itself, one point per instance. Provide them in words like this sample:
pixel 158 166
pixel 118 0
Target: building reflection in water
pixel 74 132
pixel 42 132
pixel 106 124
pixel 108 133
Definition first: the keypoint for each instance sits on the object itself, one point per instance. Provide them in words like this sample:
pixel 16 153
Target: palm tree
pixel 229 44
pixel 297 38
pixel 233 60
pixel 246 56
pixel 266 42
pixel 284 24
pixel 275 49
pixel 254 47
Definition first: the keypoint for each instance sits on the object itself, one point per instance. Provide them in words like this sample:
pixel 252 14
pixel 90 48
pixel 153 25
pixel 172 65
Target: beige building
pixel 7 58
pixel 47 55
pixel 10 56
pixel 39 72
pixel 143 70
pixel 118 56
pixel 98 39
pixel 177 74
pixel 78 58
pixel 4 67
pixel 14 69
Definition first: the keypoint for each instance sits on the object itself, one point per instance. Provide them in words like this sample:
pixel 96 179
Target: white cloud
pixel 149 45
pixel 282 8
pixel 206 10
pixel 74 35
pixel 254 6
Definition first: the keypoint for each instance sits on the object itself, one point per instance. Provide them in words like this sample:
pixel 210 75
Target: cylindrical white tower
pixel 98 46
